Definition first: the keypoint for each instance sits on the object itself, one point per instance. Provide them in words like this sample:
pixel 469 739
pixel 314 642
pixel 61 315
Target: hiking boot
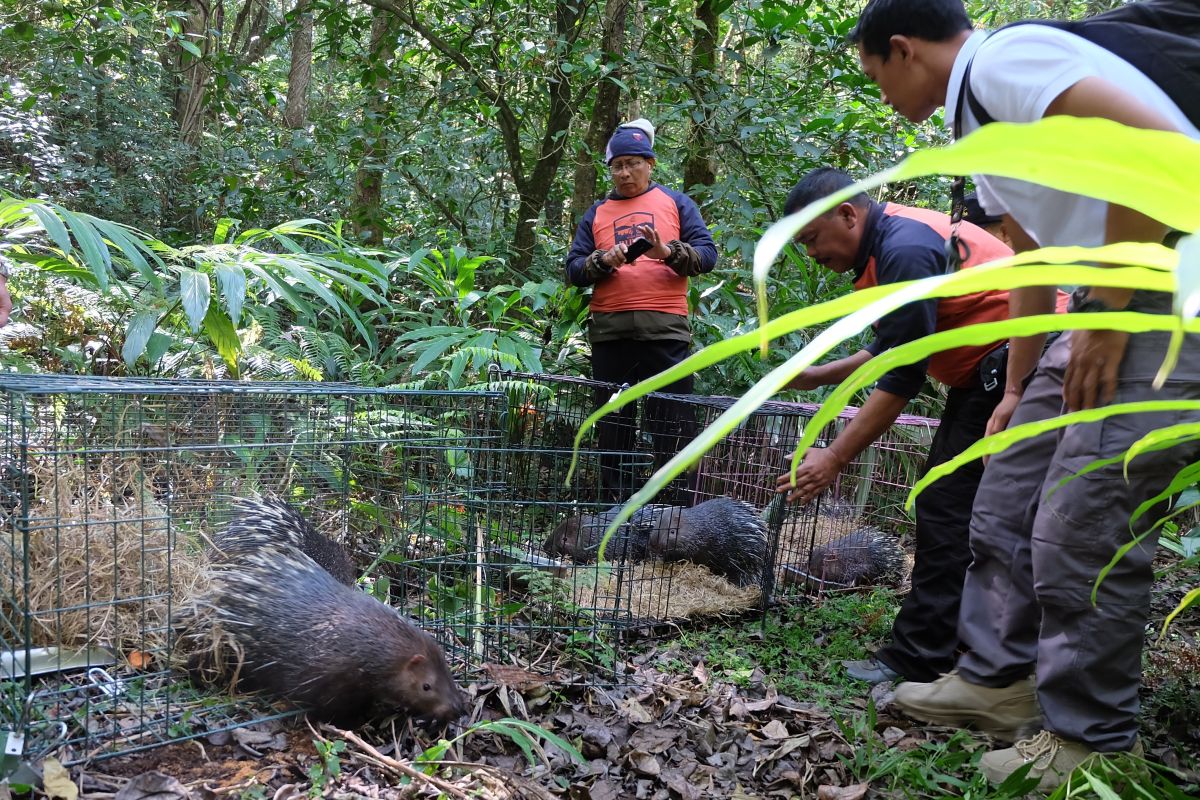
pixel 1004 713
pixel 1053 757
pixel 870 670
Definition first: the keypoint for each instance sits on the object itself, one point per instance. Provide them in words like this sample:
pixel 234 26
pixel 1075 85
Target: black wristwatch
pixel 1091 305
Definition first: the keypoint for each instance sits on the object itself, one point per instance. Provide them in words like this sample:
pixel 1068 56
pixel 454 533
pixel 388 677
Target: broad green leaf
pixel 868 306
pixel 132 249
pixel 194 292
pixel 221 232
pixel 1025 269
pixel 435 349
pixel 1161 438
pixel 979 334
pixel 95 253
pixel 53 226
pixel 137 335
pixel 1099 785
pixel 1186 477
pixel 1186 302
pixel 157 347
pixel 222 334
pixel 231 280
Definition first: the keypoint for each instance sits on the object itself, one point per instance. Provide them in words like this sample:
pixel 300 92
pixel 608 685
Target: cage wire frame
pixel 111 488
pixel 444 499
pixel 744 464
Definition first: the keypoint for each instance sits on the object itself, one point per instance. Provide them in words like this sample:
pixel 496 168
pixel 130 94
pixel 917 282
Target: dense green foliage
pixel 317 152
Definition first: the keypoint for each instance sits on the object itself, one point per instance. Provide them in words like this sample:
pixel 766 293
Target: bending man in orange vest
pixel 888 243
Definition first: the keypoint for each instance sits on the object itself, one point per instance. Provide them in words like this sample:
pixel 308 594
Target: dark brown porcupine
pixel 727 536
pixel 262 522
pixel 578 537
pixel 274 621
pixel 862 557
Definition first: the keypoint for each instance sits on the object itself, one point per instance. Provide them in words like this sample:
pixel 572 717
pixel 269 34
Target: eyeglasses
pixel 625 166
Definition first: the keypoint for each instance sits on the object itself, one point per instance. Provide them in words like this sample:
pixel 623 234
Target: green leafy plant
pixel 527 736
pixel 327 768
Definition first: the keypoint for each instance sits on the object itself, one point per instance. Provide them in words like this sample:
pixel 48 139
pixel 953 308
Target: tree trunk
pixel 193 74
pixel 366 208
pixel 295 114
pixel 605 112
pixel 534 190
pixel 700 167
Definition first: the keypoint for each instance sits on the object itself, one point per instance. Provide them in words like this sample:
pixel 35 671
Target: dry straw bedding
pixel 102 559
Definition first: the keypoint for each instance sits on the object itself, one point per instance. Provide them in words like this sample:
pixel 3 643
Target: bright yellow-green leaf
pixel 1189 599
pixel 1154 173
pixel 997 442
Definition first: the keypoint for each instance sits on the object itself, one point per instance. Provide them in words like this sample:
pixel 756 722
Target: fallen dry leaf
pixel 153 786
pixel 634 711
pixel 855 792
pixel 57 782
pixel 775 729
pixel 644 764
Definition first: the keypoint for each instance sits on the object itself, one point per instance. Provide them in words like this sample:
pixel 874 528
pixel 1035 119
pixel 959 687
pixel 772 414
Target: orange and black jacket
pixel 647 284
pixel 904 244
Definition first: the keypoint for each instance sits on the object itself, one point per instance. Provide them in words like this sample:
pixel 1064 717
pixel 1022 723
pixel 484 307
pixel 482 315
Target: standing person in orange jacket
pixel 639 322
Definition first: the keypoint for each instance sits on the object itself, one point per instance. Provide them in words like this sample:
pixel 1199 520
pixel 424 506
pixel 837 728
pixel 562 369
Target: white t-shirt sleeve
pixel 987 197
pixel 1020 70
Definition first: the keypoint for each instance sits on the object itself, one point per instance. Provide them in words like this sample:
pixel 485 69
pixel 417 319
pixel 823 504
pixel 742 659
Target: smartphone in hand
pixel 639 248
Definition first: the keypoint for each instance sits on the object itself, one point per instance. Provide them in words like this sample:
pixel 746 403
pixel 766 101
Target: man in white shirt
pixel 1027 597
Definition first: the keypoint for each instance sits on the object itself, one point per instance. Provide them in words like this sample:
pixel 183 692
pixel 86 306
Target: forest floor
pixel 745 708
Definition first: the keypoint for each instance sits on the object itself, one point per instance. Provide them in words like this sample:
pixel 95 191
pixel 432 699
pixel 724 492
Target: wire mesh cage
pixel 449 502
pixel 825 545
pixel 110 490
pixel 743 465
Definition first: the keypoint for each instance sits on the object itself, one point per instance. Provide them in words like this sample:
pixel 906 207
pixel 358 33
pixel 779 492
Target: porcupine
pixel 578 537
pixel 727 536
pixel 260 522
pixel 290 629
pixel 863 556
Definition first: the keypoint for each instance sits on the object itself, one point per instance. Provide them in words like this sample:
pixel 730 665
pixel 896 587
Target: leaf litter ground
pixel 738 709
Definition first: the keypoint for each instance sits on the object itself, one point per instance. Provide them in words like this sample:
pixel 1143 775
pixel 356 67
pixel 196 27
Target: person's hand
pixel 1002 413
pixel 805 381
pixel 614 258
pixel 1091 377
pixel 660 250
pixel 5 302
pixel 816 472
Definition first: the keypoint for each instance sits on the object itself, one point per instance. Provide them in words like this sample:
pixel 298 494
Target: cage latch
pixel 14 743
pixel 113 687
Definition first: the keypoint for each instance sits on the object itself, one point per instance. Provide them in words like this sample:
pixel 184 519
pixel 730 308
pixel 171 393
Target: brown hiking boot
pixel 1004 713
pixel 1053 757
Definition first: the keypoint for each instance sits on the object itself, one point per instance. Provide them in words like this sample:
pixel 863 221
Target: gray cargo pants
pixel 1037 551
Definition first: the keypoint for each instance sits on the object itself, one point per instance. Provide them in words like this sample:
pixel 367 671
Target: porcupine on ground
pixel 727 536
pixel 578 537
pixel 275 621
pixel 261 522
pixel 861 557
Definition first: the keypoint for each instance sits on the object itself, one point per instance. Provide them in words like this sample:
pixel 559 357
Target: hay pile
pixel 653 590
pixel 102 561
